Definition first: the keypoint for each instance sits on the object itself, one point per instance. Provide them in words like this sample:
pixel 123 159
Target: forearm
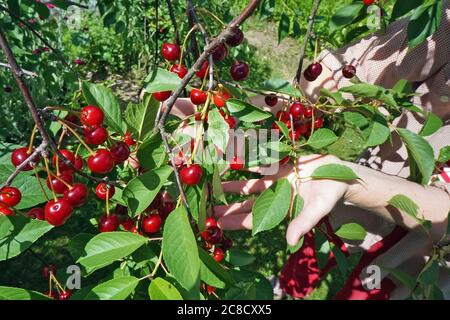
pixel 376 188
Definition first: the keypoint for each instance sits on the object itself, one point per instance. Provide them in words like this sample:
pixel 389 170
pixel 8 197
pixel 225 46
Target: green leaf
pixel 408 281
pixel 180 250
pixel 424 21
pixel 283 128
pixel 217 186
pixel 280 86
pixel 378 132
pixel 356 119
pixel 12 293
pixel 140 192
pixel 444 154
pixel 404 204
pixel 161 80
pixel 341 259
pixel 431 125
pixel 430 274
pixel 322 138
pixel 421 151
pixel 18 233
pixel 151 153
pixel 345 15
pixel 402 7
pixel 365 90
pixel 212 272
pixel 116 289
pixel 140 117
pixel 296 210
pixel 78 243
pixel 335 95
pixel 334 172
pixel 323 248
pixel 239 258
pixel 105 248
pixel 201 220
pixel 161 289
pixel 246 112
pixel 100 96
pixel 271 207
pixel 218 130
pixel 351 231
pixel 268 153
pixel 283 27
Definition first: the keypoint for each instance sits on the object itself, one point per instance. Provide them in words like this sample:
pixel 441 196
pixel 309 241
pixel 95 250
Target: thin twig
pixel 173 19
pixel 25 72
pixel 194 45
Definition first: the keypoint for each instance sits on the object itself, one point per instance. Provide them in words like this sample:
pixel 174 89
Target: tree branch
pixel 25 72
pixel 311 18
pixel 173 19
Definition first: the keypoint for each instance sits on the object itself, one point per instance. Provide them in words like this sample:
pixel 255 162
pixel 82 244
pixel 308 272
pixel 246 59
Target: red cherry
pixel 91 116
pixel 309 112
pixel 203 70
pixel 220 98
pixel 210 289
pixel 36 213
pixel 166 209
pixel 218 254
pixel 198 117
pixel 284 160
pixel 210 222
pixel 212 235
pixel 315 69
pixel 297 110
pixel 65 295
pixel 162 95
pixel 57 212
pixel 170 51
pixel 20 155
pixel 47 270
pixel 78 163
pixel 179 69
pixel 101 190
pixel 307 74
pixel 198 96
pixel 368 2
pixel 71 118
pixel 128 139
pixel 120 151
pixel 95 135
pixel 56 183
pixel 191 174
pixel 231 121
pixel 136 230
pixel 318 123
pixel 271 100
pixel 108 223
pixel 152 223
pixel 62 166
pixel 283 116
pixel 220 52
pixel 239 70
pixel 10 196
pixel 236 163
pixel 302 128
pixel 296 135
pixel 349 71
pixel 77 195
pixel 5 210
pixel 101 162
pixel 51 294
pixel 237 37
pixel 128 224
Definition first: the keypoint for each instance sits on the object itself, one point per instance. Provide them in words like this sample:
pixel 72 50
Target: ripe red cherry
pixel 309 112
pixel 237 37
pixel 307 74
pixel 191 174
pixel 47 270
pixel 297 110
pixel 239 70
pixel 127 224
pixel 220 52
pixel 165 209
pixel 315 69
pixel 36 213
pixel 318 123
pixel 231 121
pixel 78 163
pixel 128 139
pixel 120 151
pixel 349 71
pixel 5 210
pixel 179 69
pixel 95 135
pixel 203 70
pixel 152 223
pixel 220 98
pixel 65 295
pixel 295 136
pixel 210 222
pixel 218 254
pixel 302 128
pixel 170 51
pixel 210 289
pixel 108 223
pixel 102 189
pixel 51 294
pixel 368 2
pixel 101 162
pixel 162 95
pixel 77 195
pixel 198 96
pixel 236 163
pixel 91 116
pixel 62 166
pixel 283 116
pixel 57 212
pixel 271 100
pixel 56 183
pixel 20 155
pixel 212 235
pixel 10 196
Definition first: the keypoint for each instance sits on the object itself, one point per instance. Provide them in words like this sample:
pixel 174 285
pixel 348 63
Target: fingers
pixel 182 108
pixel 236 221
pixel 235 208
pixel 246 187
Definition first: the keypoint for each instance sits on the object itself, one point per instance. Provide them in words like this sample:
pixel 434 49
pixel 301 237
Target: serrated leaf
pixel 246 112
pixel 211 272
pixel 366 90
pixel 107 247
pixel 239 258
pixel 180 250
pixel 280 86
pixel 12 293
pixel 140 117
pixel 322 138
pixel 283 27
pixel 424 21
pixel 151 153
pixel 378 132
pixel 140 192
pixel 218 130
pixel 405 204
pixel 271 207
pixel 100 96
pixel 161 80
pixel 356 119
pixel 18 233
pixel 408 281
pixel 402 7
pixel 430 274
pixel 283 128
pixel 116 289
pixel 161 289
pixel 431 125
pixel 334 172
pixel 351 231
pixel 322 247
pixel 78 243
pixel 444 154
pixel 345 15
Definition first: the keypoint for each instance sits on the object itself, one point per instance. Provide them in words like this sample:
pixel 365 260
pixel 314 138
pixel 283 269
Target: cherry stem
pixel 49 175
pixel 183 48
pixel 61 137
pixel 58 285
pixel 40 184
pixel 200 131
pixel 77 136
pixel 211 14
pixel 68 185
pixel 107 200
pixel 33 136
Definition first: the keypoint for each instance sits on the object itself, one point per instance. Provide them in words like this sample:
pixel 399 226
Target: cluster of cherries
pixel 314 70
pixel 49 273
pixel 9 198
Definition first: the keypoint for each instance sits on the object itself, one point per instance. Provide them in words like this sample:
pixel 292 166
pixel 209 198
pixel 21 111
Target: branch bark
pixel 26 72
